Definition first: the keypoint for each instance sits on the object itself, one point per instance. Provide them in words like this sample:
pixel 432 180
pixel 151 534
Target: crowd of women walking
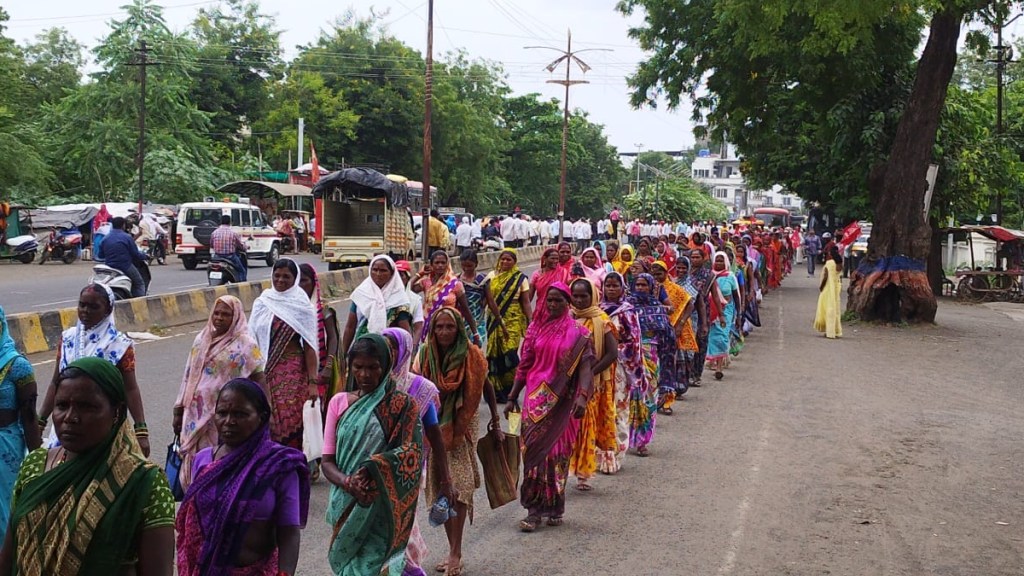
pixel 587 353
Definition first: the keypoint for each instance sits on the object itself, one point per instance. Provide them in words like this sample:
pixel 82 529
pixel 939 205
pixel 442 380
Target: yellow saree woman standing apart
pixel 597 427
pixel 828 317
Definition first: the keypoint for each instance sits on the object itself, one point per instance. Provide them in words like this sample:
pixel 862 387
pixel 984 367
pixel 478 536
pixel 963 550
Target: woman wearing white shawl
pixel 96 335
pixel 381 301
pixel 284 324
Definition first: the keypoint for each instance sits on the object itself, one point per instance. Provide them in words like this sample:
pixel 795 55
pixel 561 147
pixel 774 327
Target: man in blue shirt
pixel 812 247
pixel 121 253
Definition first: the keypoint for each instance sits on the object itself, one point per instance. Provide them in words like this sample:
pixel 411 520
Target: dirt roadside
pixel 895 451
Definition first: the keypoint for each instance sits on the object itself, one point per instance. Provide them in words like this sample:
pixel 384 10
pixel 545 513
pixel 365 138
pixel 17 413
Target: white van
pixel 198 220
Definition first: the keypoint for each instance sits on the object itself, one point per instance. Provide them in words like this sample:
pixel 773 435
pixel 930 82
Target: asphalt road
pixel 36 288
pixel 894 451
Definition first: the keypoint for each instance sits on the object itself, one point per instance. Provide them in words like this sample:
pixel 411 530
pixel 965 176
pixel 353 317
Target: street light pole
pixel 568 56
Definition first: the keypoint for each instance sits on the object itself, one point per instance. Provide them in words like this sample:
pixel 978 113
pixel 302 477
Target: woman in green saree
pixel 373 456
pixel 506 325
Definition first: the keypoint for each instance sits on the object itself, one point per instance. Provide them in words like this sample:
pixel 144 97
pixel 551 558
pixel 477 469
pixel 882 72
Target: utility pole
pixel 300 139
pixel 428 109
pixel 140 159
pixel 1004 54
pixel 568 56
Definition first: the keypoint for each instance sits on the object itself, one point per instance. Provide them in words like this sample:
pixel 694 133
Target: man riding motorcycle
pixel 121 253
pixel 227 244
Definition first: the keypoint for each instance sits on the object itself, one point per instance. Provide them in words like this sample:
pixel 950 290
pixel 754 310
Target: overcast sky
pixel 497 30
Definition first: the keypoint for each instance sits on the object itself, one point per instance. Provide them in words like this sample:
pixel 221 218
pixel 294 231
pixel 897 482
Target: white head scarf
pixel 292 306
pixel 374 302
pixel 103 340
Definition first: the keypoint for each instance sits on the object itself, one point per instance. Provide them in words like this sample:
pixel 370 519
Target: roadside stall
pixel 1000 281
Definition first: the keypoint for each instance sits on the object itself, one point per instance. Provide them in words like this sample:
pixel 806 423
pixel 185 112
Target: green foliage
pixel 94 129
pixel 52 68
pixel 219 95
pixel 677 199
pixel 238 58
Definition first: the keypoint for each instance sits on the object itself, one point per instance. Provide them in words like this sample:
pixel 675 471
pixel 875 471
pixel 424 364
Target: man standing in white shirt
pixel 522 231
pixel 508 232
pixel 464 235
pixel 567 235
pixel 534 230
pixel 552 231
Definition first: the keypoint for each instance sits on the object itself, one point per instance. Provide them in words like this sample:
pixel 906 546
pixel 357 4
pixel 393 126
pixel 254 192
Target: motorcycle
pixel 21 248
pixel 62 246
pixel 287 243
pixel 118 282
pixel 488 245
pixel 222 271
pixel 156 249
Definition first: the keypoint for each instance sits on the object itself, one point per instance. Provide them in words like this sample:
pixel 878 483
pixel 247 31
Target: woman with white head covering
pixel 381 301
pixel 96 335
pixel 284 324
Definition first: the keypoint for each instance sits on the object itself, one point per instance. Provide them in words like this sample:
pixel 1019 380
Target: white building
pixel 722 174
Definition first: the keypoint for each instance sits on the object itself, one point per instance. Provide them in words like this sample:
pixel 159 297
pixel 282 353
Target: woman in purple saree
pixel 249 496
pixel 555 370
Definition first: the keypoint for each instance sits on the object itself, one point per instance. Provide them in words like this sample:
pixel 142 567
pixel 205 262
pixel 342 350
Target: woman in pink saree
pixel 555 369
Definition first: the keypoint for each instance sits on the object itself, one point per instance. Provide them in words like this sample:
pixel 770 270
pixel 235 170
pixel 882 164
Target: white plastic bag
pixel 312 430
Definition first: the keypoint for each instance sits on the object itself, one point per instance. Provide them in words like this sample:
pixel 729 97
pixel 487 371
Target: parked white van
pixel 198 220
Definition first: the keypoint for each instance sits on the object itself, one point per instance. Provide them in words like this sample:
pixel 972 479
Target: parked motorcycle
pixel 489 245
pixel 119 283
pixel 21 248
pixel 63 245
pixel 222 271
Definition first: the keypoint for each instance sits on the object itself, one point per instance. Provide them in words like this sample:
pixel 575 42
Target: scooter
pixel 118 282
pixel 222 271
pixel 21 248
pixel 62 246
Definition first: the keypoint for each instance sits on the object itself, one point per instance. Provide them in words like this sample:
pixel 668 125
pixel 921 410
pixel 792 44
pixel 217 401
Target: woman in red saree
pixel 551 271
pixel 556 372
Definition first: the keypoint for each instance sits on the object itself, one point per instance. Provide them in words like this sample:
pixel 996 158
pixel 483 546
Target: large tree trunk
pixel 891 282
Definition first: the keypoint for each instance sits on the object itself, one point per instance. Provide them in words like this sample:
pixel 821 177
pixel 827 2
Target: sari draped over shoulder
pixel 503 348
pixel 382 433
pixel 542 280
pixel 597 427
pixel 84 515
pixel 212 363
pixel 630 370
pixel 476 297
pixel 553 352
pixel 222 502
pixel 439 293
pixel 459 373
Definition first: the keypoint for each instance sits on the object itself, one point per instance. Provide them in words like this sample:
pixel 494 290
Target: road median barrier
pixel 36 332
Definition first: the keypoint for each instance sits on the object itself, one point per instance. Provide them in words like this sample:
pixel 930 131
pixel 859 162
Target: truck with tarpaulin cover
pixel 364 214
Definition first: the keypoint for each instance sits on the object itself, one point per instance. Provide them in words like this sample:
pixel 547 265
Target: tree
pixel 53 66
pixel 23 170
pixel 95 127
pixel 329 119
pixel 676 199
pixel 238 58
pixel 469 144
pixel 381 80
pixel 892 281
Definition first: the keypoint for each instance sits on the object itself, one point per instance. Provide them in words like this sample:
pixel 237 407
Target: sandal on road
pixel 555 521
pixel 529 524
pixel 454 571
pixel 583 485
pixel 643 452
